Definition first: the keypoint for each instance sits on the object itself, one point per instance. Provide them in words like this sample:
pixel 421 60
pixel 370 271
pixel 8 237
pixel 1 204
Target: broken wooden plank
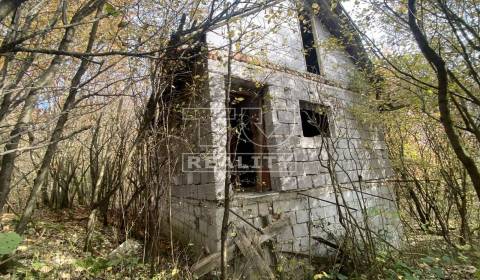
pixel 273 229
pixel 212 261
pixel 240 269
pixel 248 250
pixel 267 251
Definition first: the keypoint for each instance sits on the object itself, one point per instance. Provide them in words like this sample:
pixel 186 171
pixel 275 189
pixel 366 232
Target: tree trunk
pixel 92 219
pixel 57 134
pixel 445 115
pixel 45 198
pixel 226 203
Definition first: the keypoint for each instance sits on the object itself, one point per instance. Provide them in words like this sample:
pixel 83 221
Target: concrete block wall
pixel 300 163
pixel 194 223
pixel 274 39
pixel 357 151
pixel 312 217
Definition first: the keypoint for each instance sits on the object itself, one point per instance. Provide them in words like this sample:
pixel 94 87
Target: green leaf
pixel 9 241
pixel 438 272
pixel 428 260
pixel 447 259
pixel 38 265
pixel 111 10
pixel 409 276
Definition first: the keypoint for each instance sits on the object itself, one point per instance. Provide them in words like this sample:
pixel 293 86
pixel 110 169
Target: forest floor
pixel 52 248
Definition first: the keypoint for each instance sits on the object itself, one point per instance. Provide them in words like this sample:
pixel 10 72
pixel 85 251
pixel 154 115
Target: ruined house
pixel 296 148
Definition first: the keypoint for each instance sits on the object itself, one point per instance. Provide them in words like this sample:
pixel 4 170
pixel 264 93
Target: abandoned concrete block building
pixel 296 148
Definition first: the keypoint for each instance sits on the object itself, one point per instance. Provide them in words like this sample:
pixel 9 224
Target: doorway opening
pixel 248 149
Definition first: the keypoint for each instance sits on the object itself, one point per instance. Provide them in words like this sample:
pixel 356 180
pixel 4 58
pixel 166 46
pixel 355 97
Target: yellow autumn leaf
pixel 321 275
pixel 175 271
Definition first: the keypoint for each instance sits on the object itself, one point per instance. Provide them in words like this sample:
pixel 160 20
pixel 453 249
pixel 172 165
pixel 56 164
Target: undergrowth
pixel 52 249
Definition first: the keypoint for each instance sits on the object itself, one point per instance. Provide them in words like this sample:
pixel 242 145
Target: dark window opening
pixel 247 139
pixel 308 40
pixel 314 119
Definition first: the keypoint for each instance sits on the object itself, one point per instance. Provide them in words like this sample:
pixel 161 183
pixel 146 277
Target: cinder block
pixel 206 191
pixel 293 140
pixel 342 177
pixel 301 154
pixel 309 143
pixel 296 128
pixel 291 214
pixel 327 179
pixel 285 116
pixel 304 182
pixel 193 191
pixel 292 104
pixel 249 211
pixel 313 154
pixel 317 213
pixel 285 247
pixel 300 169
pixel 281 169
pixel 288 183
pixel 304 244
pixel 285 157
pixel 285 235
pixel 301 94
pixel 282 129
pixel 296 245
pixel 269 118
pixel 278 142
pixel 276 185
pixel 311 167
pixel 282 206
pixel 203 226
pixel 207 177
pixel 318 181
pixel 330 210
pixel 302 216
pixel 264 209
pixel 197 178
pixel 280 103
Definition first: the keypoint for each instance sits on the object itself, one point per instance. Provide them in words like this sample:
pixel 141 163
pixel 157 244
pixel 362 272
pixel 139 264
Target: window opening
pixel 314 119
pixel 308 40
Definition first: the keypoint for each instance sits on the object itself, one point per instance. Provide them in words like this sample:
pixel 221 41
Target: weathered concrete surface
pixel 357 150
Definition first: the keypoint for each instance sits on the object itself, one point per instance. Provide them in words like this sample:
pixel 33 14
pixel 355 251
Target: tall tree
pixel 21 126
pixel 440 66
pixel 58 130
